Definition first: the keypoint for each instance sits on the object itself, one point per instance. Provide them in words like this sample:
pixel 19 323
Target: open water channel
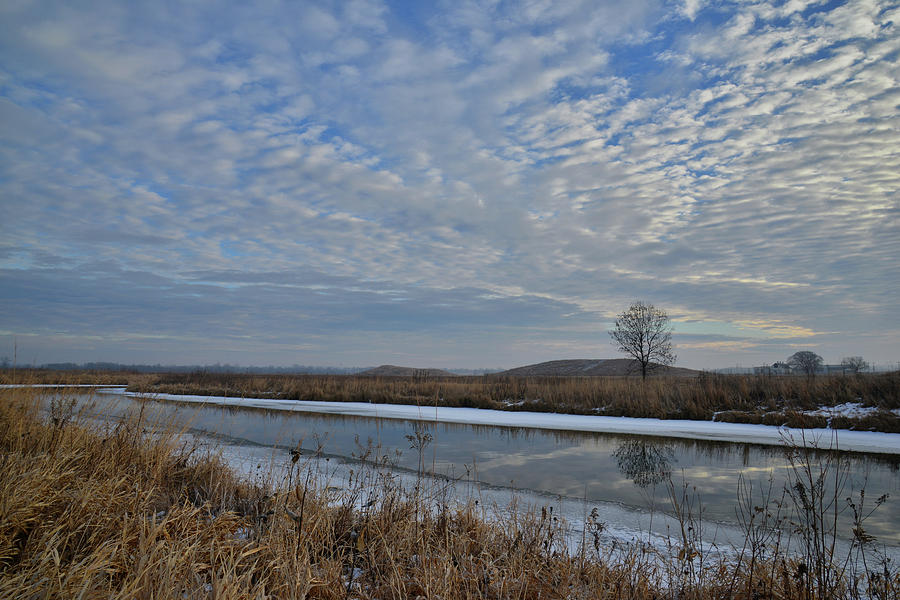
pixel 623 476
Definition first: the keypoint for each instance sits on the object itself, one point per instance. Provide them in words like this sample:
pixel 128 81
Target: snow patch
pixel 852 410
pixel 858 441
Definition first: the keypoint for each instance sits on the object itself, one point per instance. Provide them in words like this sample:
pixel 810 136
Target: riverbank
pixel 126 510
pixel 856 441
pixel 864 402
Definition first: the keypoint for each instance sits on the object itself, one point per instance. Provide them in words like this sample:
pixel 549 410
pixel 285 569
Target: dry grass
pixel 745 398
pixel 36 376
pixel 125 511
pixel 110 513
pixel 770 400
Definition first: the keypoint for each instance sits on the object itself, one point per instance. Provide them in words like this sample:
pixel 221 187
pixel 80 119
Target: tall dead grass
pixel 38 376
pixel 126 510
pixel 773 400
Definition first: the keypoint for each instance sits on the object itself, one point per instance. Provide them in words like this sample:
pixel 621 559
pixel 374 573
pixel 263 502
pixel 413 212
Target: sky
pixel 462 184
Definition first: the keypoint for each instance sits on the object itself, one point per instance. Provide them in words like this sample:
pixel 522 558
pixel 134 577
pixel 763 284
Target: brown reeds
pixel 766 399
pixel 39 376
pixel 127 510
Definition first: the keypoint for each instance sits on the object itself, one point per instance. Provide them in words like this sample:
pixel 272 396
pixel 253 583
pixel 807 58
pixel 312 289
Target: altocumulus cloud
pixel 475 183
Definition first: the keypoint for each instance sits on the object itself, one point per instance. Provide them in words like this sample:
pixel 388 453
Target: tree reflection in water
pixel 645 463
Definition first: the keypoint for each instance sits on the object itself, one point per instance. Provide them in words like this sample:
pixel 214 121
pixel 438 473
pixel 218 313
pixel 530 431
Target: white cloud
pixel 690 8
pixel 522 149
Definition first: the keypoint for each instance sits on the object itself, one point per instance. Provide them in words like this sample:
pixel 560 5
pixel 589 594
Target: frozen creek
pixel 530 461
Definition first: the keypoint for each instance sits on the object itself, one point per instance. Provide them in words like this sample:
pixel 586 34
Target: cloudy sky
pixel 457 184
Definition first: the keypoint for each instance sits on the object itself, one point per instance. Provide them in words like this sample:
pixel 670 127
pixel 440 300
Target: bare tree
pixel 805 362
pixel 645 463
pixel 643 332
pixel 854 364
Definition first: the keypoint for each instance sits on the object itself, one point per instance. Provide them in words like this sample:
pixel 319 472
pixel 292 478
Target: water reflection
pixel 645 463
pixel 621 469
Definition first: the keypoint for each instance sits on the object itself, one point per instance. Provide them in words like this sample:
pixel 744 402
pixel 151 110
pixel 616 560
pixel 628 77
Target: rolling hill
pixel 395 371
pixel 585 367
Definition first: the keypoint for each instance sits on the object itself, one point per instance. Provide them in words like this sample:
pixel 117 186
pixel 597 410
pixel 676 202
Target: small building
pixel 778 368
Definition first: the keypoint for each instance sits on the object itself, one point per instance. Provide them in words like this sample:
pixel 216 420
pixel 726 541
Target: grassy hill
pixel 591 367
pixel 395 371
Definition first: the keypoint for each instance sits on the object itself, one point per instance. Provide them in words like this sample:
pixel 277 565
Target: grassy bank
pixel 770 400
pixel 125 510
pixel 36 376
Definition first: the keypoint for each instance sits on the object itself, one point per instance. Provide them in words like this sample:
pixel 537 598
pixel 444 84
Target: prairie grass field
pixel 126 509
pixel 764 399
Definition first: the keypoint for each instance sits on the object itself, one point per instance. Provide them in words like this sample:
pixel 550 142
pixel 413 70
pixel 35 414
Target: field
pixel 769 400
pixel 126 510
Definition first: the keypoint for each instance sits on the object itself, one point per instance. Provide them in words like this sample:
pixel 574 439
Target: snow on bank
pixel 857 441
pixel 851 410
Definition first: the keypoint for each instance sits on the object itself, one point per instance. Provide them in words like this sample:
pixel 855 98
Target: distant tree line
pixel 219 368
pixel 216 368
pixel 806 362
